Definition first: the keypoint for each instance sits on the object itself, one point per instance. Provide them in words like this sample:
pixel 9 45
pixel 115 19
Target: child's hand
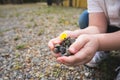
pixel 83 49
pixel 58 40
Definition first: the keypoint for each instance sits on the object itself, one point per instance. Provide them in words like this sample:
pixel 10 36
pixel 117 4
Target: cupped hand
pixel 57 40
pixel 83 48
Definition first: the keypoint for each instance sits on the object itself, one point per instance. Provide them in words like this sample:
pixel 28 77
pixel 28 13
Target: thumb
pixel 52 42
pixel 78 44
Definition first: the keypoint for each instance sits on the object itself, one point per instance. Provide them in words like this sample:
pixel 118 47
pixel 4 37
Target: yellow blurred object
pixel 57 65
pixel 66 23
pixel 75 3
pixel 63 36
pixel 66 3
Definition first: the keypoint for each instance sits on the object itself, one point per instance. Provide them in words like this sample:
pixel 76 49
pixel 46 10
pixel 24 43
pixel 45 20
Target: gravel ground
pixel 24 33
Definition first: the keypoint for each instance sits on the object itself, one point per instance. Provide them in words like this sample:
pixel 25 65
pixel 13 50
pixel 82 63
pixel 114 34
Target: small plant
pixel 16 38
pixel 62 48
pixel 17 54
pixel 2 16
pixel 31 20
pixel 29 25
pixel 17 66
pixel 21 46
pixel 35 24
pixel 41 31
pixel 17 14
pixel 32 24
pixel 61 20
pixel 1 33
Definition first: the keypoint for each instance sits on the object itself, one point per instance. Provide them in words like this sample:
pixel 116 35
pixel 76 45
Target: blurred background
pixel 72 3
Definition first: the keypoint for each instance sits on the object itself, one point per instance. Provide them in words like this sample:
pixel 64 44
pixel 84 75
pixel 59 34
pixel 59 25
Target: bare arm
pixel 98 21
pixel 109 41
pixel 97 24
pixel 92 39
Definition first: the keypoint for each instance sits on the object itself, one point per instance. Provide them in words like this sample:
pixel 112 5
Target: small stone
pixel 29 76
pixel 28 70
pixel 1 78
pixel 57 48
pixel 43 78
pixel 87 74
pixel 35 60
pixel 62 50
pixel 57 65
pixel 20 77
pixel 71 68
pixel 0 75
pixel 6 78
pixel 28 59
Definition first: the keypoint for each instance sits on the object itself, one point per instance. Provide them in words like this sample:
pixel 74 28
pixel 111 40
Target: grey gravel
pixel 24 34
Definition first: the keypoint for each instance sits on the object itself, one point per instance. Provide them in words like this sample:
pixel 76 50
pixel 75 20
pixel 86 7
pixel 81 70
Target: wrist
pixel 92 30
pixel 96 36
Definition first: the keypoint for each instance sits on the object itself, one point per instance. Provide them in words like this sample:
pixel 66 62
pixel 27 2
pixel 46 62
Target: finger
pixel 69 34
pixel 56 54
pixel 57 40
pixel 52 42
pixel 68 60
pixel 85 55
pixel 82 57
pixel 78 44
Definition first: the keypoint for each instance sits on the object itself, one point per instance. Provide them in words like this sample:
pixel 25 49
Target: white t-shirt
pixel 111 8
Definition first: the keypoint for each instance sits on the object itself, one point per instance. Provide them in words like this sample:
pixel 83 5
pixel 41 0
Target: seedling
pixel 62 48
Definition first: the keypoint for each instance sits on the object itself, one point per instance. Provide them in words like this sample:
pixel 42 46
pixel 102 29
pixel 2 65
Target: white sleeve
pixel 94 6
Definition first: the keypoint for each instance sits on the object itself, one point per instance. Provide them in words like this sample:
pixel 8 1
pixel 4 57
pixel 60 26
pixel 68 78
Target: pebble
pixel 6 78
pixel 28 76
pixel 87 74
pixel 1 78
pixel 35 60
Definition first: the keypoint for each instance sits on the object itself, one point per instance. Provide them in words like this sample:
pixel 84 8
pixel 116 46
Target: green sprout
pixel 21 46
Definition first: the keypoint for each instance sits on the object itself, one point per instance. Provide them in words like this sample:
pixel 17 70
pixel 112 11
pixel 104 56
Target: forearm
pixel 97 24
pixel 94 30
pixel 89 30
pixel 109 41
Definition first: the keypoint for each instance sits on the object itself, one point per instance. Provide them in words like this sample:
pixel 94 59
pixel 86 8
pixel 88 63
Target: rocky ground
pixel 24 55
